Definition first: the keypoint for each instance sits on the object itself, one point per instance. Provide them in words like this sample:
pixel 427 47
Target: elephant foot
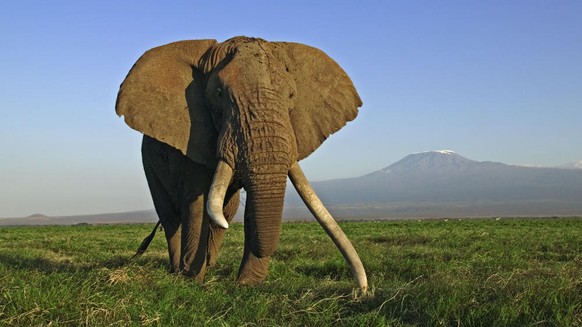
pixel 196 271
pixel 197 276
pixel 211 261
pixel 213 248
pixel 173 269
pixel 253 270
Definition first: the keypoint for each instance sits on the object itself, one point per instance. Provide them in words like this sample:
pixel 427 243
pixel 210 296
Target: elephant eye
pixel 218 92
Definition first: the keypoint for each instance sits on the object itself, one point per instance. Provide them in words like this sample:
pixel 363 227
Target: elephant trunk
pixel 263 213
pixel 264 159
pixel 329 225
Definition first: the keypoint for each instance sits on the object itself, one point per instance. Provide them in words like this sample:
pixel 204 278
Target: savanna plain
pixel 467 272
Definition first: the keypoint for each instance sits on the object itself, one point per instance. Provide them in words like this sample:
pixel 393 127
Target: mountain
pixel 444 183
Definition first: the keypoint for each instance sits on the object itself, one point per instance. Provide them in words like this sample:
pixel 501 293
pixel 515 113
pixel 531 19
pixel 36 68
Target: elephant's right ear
pixel 326 98
pixel 163 97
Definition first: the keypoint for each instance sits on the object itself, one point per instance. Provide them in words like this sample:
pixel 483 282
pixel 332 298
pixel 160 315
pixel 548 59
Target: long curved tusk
pixel 215 203
pixel 329 225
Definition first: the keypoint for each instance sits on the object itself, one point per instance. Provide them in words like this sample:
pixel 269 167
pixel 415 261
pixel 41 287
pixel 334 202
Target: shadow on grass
pixel 222 271
pixel 331 270
pixel 48 265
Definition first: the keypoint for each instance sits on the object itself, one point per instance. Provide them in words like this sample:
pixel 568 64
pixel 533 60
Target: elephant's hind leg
pixel 154 156
pixel 170 221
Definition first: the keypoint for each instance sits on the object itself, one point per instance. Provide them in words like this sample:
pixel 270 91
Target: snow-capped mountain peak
pixel 438 151
pixel 429 161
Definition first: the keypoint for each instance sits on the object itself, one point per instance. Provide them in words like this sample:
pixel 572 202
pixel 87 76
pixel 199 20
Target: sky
pixel 492 80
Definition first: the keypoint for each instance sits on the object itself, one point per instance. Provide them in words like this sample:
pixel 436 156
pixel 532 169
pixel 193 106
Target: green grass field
pixel 488 272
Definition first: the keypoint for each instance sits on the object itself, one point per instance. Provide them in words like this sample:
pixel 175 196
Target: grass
pixel 488 272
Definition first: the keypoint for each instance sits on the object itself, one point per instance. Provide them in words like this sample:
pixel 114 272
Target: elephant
pixel 217 117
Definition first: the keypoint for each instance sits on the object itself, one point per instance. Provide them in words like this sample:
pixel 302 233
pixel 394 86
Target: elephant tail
pixel 146 242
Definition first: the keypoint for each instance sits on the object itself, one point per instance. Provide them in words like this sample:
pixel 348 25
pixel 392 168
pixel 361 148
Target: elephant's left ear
pixel 326 98
pixel 163 97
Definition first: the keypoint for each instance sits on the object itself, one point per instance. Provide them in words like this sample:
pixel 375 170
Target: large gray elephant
pixel 217 117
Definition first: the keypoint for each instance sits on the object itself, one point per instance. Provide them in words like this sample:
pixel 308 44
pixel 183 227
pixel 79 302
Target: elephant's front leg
pixel 194 240
pixel 195 226
pixel 216 237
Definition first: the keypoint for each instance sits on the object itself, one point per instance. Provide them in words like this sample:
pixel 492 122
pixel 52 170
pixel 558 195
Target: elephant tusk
pixel 329 225
pixel 217 193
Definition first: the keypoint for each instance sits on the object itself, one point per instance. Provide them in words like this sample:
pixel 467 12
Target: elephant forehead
pixel 239 41
pixel 255 49
pixel 243 64
pixel 248 67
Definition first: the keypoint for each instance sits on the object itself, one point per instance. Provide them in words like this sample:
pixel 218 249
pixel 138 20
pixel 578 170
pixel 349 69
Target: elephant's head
pixel 247 107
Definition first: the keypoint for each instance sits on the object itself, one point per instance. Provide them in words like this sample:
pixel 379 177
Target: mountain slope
pixel 455 185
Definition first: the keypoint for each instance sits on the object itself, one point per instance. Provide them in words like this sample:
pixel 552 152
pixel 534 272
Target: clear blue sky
pixel 492 80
